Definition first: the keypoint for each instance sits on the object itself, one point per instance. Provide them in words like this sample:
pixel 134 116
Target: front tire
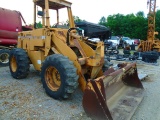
pixel 59 76
pixel 19 63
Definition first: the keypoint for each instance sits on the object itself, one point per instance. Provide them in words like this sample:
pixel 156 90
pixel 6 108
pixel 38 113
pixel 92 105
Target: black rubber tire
pixel 108 58
pixel 150 57
pixel 21 62
pixel 116 51
pixel 132 57
pixel 4 57
pixel 136 54
pixel 126 52
pixel 68 76
pixel 119 57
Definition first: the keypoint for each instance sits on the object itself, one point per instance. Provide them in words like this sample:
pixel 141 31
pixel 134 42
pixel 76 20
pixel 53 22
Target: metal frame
pixel 151 20
pixel 55 5
pixel 150 44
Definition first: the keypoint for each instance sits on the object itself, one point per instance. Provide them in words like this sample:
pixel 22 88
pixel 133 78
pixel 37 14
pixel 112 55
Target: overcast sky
pixel 89 10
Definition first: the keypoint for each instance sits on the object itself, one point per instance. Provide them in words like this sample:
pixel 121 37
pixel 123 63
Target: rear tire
pixel 19 63
pixel 4 57
pixel 59 76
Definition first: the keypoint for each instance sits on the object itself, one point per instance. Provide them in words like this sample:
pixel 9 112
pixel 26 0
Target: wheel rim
pixel 4 58
pixel 52 78
pixel 13 64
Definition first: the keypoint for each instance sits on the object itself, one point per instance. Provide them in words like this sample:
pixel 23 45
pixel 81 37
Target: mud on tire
pixel 59 76
pixel 19 63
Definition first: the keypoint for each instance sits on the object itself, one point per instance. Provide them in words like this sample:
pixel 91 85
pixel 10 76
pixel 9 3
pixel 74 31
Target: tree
pixel 134 26
pixel 39 24
pixel 102 21
pixel 76 19
pixel 140 14
pixel 115 23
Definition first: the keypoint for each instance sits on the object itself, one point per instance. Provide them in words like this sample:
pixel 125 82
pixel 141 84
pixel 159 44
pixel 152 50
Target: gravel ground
pixel 149 107
pixel 26 99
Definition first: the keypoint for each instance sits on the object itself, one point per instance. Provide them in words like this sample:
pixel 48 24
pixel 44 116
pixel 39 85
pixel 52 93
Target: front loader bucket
pixel 114 96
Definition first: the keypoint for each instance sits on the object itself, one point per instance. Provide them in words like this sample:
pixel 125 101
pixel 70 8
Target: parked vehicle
pixel 10 25
pixel 110 48
pixel 115 41
pixel 128 40
pixel 94 39
pixel 136 41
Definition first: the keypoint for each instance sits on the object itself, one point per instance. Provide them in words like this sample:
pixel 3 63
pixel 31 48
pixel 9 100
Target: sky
pixel 89 10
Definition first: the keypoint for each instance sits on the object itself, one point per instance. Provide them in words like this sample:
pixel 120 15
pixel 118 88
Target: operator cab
pixel 56 5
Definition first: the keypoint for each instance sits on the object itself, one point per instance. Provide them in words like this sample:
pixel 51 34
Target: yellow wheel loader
pixel 67 60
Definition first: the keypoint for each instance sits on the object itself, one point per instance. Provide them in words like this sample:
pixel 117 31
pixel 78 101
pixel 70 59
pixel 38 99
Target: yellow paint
pixel 42 42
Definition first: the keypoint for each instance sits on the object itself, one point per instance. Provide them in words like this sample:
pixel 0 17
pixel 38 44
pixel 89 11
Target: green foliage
pixel 103 21
pixel 140 14
pixel 76 19
pixel 115 23
pixel 39 24
pixel 133 26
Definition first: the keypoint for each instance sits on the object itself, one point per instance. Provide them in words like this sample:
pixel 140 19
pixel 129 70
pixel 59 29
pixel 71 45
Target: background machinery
pixel 151 44
pixel 67 60
pixel 93 30
pixel 10 25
